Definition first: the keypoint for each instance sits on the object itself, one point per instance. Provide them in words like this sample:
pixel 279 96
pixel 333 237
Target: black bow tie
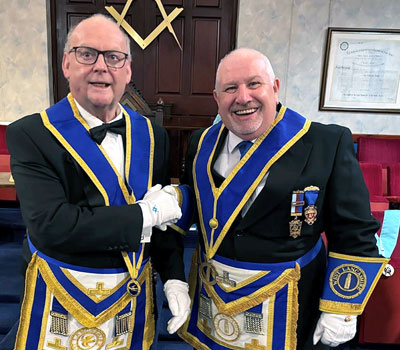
pixel 98 133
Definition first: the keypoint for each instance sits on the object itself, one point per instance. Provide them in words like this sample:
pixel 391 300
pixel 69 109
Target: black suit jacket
pixel 65 214
pixel 323 157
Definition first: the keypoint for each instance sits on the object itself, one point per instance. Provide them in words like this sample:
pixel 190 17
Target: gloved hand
pixel 169 189
pixel 335 329
pixel 177 293
pixel 161 206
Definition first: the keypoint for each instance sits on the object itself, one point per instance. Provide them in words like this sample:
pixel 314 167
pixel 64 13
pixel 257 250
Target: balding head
pixel 97 18
pixel 246 54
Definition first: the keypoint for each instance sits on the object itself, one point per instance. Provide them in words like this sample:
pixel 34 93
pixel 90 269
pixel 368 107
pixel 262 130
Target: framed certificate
pixel 361 71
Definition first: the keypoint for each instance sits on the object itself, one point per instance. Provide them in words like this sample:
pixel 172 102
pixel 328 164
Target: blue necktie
pixel 244 147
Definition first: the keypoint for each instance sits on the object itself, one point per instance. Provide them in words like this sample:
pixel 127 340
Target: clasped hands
pixel 161 206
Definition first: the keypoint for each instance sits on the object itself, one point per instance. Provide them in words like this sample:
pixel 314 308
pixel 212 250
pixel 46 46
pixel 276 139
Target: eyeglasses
pixel 89 55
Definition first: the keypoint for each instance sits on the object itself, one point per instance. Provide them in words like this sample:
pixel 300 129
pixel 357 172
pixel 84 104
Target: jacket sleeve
pixel 53 202
pixel 350 227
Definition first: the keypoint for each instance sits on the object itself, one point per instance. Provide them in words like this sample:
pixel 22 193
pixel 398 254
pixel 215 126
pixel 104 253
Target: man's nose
pixel 243 97
pixel 100 63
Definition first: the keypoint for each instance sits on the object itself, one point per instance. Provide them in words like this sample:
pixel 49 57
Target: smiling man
pixel 247 95
pixel 89 175
pixel 268 183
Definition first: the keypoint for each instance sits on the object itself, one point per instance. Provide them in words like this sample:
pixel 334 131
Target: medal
pixel 310 212
pixel 296 210
pixel 295 228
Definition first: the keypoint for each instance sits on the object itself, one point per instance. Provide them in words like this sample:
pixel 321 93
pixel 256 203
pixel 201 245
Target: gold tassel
pixel 122 324
pixel 59 323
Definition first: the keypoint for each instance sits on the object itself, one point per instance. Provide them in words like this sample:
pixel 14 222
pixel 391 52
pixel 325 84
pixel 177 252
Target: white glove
pixel 177 293
pixel 160 206
pixel 169 189
pixel 335 329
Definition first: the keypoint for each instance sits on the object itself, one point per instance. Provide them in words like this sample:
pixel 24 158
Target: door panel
pixel 205 54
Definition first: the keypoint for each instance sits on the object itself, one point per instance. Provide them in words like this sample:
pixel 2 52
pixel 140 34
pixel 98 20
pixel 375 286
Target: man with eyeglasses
pixel 89 175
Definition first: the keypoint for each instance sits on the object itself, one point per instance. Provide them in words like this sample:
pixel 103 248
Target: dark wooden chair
pixel 133 99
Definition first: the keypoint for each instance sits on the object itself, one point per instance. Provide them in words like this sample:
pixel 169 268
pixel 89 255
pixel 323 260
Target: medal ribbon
pixel 223 204
pixel 297 203
pixel 311 196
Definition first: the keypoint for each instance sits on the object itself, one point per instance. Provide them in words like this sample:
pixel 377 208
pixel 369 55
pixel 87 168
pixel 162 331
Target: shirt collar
pixel 90 119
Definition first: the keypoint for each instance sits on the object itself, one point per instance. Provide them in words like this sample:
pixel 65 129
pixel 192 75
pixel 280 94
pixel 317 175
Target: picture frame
pixel 361 71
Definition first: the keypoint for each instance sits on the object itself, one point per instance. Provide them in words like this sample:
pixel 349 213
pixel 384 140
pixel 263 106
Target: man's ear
pixel 65 66
pixel 215 96
pixel 128 71
pixel 277 84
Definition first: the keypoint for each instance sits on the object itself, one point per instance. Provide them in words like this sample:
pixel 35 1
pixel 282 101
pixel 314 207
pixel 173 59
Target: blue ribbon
pixel 311 196
pixel 386 242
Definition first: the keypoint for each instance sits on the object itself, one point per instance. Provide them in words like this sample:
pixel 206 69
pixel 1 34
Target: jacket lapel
pixel 281 179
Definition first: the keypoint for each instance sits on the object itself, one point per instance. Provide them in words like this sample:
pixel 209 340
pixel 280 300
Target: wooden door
pixel 183 80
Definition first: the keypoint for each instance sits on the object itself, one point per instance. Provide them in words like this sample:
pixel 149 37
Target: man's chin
pixel 100 102
pixel 247 131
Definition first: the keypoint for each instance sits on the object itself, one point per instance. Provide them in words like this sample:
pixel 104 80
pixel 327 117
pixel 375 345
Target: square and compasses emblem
pixel 166 23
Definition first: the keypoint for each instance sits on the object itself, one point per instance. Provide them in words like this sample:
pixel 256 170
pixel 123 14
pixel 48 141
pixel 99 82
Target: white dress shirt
pixel 227 160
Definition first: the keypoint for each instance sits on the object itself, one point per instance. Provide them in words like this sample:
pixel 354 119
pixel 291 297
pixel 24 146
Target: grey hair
pixel 247 51
pixel 67 45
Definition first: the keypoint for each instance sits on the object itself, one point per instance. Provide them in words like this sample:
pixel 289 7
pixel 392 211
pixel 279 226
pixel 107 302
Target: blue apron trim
pixel 126 309
pixel 279 328
pixel 302 261
pixel 35 324
pixel 57 307
pixel 73 267
pixel 256 309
